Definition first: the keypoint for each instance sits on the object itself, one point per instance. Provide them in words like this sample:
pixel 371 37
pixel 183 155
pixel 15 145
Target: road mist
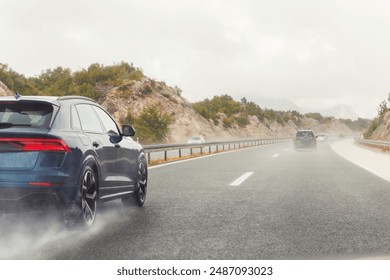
pixel 37 236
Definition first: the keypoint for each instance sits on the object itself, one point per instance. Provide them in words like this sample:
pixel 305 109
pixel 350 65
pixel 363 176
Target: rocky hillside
pixel 382 132
pixel 4 91
pixel 133 96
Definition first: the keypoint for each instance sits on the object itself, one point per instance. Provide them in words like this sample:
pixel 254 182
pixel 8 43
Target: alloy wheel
pixel 89 197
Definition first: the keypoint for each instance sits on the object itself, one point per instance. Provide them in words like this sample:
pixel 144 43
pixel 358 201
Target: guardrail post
pixel 191 151
pixel 165 155
pixel 201 150
pixel 179 153
pixel 149 160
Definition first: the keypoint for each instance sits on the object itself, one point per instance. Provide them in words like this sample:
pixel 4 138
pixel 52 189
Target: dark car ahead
pixel 66 154
pixel 305 139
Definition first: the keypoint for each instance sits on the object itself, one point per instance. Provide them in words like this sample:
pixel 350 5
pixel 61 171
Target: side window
pixel 107 121
pixel 89 120
pixel 74 118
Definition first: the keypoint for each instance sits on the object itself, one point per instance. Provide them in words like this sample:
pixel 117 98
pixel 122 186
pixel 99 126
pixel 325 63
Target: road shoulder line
pixel 371 161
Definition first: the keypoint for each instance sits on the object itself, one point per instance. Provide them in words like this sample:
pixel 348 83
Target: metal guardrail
pixel 383 145
pixel 181 150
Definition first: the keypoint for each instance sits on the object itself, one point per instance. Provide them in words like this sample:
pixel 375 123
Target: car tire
pixel 139 196
pixel 83 214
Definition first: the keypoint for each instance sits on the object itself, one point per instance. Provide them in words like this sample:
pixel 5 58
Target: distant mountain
pixel 280 104
pixel 340 111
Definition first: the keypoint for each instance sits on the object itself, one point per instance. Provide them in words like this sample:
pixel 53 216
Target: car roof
pixel 52 99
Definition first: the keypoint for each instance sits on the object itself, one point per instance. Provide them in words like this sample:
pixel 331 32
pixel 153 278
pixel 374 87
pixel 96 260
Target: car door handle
pixel 95 144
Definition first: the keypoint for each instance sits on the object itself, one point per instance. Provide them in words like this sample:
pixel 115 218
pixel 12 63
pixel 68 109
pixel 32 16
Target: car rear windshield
pixel 25 113
pixel 305 133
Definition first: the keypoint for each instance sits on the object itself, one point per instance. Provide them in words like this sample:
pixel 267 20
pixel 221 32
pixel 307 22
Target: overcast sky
pixel 313 53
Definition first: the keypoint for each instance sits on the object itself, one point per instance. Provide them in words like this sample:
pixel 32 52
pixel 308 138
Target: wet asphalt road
pixel 295 205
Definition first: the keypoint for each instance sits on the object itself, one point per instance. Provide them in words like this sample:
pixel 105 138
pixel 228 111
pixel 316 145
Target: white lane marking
pixel 241 179
pixel 275 155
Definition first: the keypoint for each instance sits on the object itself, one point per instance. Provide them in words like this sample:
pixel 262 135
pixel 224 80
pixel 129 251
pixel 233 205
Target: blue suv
pixel 66 154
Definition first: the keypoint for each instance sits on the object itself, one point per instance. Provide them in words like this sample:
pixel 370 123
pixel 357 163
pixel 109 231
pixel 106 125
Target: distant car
pixel 305 139
pixel 322 137
pixel 65 155
pixel 196 140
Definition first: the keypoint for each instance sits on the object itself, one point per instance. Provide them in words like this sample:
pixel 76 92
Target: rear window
pixel 305 133
pixel 26 113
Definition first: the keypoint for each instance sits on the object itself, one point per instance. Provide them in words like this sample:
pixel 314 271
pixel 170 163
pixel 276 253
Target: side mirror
pixel 128 130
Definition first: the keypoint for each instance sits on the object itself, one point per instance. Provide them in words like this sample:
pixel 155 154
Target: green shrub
pixel 129 119
pixel 242 120
pixel 373 126
pixel 178 90
pixel 136 75
pixel 152 125
pixel 219 104
pixel 228 122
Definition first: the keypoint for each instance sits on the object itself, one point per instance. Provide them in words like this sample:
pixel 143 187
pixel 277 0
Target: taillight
pixel 44 184
pixel 37 144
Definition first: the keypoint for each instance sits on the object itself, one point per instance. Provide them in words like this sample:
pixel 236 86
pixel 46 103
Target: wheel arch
pixel 91 161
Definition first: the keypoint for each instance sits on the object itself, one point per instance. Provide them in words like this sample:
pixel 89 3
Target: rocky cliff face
pixel 383 130
pixel 4 91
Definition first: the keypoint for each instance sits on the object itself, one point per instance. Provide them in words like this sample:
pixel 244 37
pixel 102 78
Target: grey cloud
pixel 309 52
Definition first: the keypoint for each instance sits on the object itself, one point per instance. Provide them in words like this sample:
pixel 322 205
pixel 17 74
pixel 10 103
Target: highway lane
pixel 295 205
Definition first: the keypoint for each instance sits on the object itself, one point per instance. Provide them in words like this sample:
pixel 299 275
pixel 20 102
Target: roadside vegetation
pixel 237 113
pixel 62 81
pixel 152 125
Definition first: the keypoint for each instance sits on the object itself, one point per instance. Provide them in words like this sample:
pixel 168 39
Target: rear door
pixel 100 142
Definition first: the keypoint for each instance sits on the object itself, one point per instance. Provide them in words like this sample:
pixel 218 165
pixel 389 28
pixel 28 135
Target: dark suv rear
pixel 305 139
pixel 67 154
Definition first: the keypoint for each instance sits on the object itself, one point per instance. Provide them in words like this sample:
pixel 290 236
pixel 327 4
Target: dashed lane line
pixel 241 179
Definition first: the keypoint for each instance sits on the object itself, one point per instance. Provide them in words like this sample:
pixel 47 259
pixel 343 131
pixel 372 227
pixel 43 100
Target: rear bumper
pixel 305 145
pixel 20 199
pixel 35 190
